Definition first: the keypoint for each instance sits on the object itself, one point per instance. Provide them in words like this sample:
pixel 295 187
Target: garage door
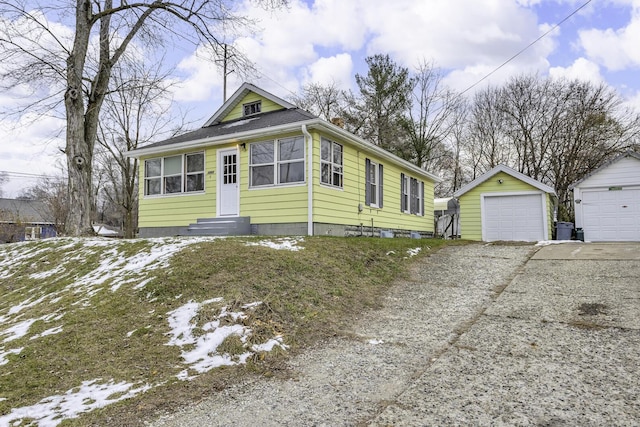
pixel 516 217
pixel 611 216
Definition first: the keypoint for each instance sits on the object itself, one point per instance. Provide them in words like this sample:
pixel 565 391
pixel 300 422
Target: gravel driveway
pixel 480 335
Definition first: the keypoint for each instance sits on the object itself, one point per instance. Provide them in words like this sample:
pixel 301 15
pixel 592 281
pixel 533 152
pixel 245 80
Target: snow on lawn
pixel 413 252
pixel 285 243
pixel 201 354
pixel 52 410
pixel 198 343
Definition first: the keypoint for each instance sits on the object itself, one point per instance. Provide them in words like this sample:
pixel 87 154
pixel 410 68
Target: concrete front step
pixel 226 226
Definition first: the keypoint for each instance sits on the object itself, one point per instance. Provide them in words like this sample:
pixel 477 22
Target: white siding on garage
pixel 607 204
pixel 513 217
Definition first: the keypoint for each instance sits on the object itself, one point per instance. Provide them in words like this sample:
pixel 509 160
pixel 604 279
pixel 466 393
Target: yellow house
pixel 504 204
pixel 260 165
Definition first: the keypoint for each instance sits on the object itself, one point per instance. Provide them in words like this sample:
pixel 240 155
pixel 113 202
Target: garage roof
pixel 604 166
pixel 502 168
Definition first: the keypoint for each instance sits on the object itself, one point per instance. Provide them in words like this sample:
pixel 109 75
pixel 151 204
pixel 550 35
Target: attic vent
pixel 251 108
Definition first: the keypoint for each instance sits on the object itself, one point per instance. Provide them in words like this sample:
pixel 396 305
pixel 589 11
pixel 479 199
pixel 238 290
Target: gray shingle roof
pixel 25 211
pixel 244 124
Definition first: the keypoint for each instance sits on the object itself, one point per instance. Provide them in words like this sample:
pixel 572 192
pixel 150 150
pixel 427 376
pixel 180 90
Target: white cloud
pixel 337 69
pixel 486 32
pixel 615 49
pixel 581 69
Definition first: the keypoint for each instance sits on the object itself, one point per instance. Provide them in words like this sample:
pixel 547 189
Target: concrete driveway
pixel 560 346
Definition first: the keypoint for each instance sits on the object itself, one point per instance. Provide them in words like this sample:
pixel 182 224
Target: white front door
pixel 228 190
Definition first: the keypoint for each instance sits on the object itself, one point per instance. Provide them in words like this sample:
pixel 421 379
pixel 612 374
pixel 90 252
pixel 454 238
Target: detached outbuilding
pixel 607 201
pixel 504 204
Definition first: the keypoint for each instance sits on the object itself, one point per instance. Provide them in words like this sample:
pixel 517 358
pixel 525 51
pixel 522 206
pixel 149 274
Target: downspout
pixel 309 180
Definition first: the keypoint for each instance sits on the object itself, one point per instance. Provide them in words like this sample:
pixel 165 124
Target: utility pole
pixel 225 73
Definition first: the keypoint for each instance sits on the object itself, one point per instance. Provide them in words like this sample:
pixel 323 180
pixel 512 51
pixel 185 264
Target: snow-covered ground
pixel 116 270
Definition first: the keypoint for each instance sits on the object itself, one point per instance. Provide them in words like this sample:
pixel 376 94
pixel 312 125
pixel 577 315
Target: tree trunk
pixel 79 151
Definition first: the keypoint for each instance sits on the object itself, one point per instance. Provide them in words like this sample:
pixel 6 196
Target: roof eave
pixel 218 140
pixel 502 168
pixel 338 131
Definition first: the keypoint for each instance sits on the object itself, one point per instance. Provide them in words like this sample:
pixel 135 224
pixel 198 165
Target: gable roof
pixel 502 168
pixel 272 123
pixel 24 211
pixel 238 96
pixel 624 155
pixel 263 121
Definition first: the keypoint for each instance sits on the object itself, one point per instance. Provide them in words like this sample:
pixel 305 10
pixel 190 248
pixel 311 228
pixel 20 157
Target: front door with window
pixel 228 190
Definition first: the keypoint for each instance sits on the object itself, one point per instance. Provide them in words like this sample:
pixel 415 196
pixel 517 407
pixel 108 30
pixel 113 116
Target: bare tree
pixel 135 112
pixel 3 180
pixel 432 115
pixel 76 68
pixel 555 131
pixel 325 101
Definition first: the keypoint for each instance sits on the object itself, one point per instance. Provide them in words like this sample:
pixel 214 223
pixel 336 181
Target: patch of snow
pixel 375 342
pixel 413 252
pixel 202 355
pixel 26 304
pixel 130 333
pixel 285 243
pixel 2 399
pixel 240 123
pixel 52 410
pixel 268 346
pixel 51 331
pixel 557 242
pixel 44 274
pixel 18 330
pixel 4 354
pixel 391 253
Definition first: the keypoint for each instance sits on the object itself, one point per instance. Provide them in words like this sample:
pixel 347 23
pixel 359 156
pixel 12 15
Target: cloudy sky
pixel 326 41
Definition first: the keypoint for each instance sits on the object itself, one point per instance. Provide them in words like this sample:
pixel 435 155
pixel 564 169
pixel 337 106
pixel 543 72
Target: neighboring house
pixel 24 220
pixel 607 201
pixel 504 204
pixel 260 165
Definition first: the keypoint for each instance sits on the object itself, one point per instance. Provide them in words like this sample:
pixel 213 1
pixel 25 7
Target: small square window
pixel 251 108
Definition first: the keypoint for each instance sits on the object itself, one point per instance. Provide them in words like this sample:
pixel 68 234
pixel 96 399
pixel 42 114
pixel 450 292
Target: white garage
pixel 506 205
pixel 607 202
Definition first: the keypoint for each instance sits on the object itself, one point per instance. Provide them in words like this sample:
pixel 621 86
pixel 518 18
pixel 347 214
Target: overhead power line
pixel 527 47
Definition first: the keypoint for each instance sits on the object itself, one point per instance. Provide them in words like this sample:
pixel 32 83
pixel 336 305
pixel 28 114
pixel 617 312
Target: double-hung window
pixel 411 195
pixel 278 162
pixel 373 184
pixel 183 173
pixel 331 163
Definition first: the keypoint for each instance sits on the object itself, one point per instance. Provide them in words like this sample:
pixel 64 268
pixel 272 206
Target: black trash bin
pixel 564 230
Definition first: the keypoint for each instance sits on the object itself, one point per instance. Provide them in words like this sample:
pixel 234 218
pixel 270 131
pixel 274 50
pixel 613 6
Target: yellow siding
pixel 340 206
pixel 470 214
pixel 288 204
pixel 181 209
pixel 267 105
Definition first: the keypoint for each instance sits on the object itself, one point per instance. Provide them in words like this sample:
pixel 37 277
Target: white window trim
pixel 184 175
pixel 276 163
pixel 249 105
pixel 331 164
pixel 407 194
pixel 374 194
